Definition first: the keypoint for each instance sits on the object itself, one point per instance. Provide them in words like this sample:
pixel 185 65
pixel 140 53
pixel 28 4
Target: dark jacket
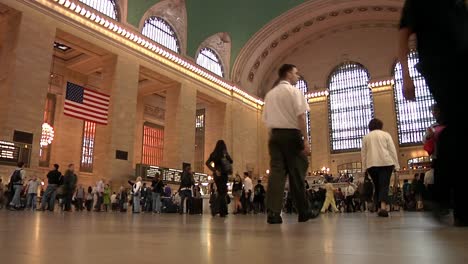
pixel 54 177
pixel 157 186
pixel 69 180
pixel 186 180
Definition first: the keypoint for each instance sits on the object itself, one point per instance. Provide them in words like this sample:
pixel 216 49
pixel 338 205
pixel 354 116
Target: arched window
pixel 302 85
pixel 208 59
pixel 160 31
pixel 350 106
pixel 106 7
pixel 412 117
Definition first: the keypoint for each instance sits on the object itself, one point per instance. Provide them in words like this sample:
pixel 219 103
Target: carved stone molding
pixel 173 12
pixel 221 44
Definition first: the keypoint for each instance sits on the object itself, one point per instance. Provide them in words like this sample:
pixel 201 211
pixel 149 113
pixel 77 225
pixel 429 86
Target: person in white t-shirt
pixel 247 194
pixel 379 159
pixel 349 196
pixel 284 113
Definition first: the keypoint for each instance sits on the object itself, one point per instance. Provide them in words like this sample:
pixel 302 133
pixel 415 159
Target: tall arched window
pixel 160 31
pixel 350 106
pixel 302 85
pixel 106 7
pixel 412 117
pixel 208 59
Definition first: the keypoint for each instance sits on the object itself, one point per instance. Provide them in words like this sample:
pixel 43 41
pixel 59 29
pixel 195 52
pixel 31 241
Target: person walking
pixel 32 187
pixel 185 190
pixel 259 197
pixel 89 199
pixel 157 190
pixel 220 163
pixel 107 197
pixel 69 185
pixel 137 196
pixel 442 44
pixel 379 159
pixel 53 180
pixel 79 197
pixel 329 199
pixel 99 195
pixel 16 183
pixel 237 193
pixel 284 114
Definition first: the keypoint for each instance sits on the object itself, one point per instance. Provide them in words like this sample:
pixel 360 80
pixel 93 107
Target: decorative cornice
pixel 97 22
pixel 308 25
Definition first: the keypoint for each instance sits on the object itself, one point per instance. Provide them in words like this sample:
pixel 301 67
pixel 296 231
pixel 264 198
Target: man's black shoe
pixel 304 217
pixel 274 218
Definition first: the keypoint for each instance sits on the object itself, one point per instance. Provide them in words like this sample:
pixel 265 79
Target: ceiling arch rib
pixel 281 35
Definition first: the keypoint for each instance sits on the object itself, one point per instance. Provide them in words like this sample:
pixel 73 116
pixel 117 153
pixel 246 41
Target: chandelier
pixel 47 135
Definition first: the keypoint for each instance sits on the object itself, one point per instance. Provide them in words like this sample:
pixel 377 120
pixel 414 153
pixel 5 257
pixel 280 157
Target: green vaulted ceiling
pixel 240 18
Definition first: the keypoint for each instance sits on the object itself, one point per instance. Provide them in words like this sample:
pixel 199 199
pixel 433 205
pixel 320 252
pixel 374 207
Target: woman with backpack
pixel 220 163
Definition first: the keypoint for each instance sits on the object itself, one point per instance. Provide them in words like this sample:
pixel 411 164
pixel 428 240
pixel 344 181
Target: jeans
pixel 32 200
pixel 49 197
pixel 136 203
pixel 16 202
pixel 100 200
pixel 156 202
pixel 183 195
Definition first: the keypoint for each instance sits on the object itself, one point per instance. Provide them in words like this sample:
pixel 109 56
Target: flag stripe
pixel 98 106
pixel 84 110
pixel 85 106
pixel 87 94
pixel 104 96
pixel 95 100
pixel 87 118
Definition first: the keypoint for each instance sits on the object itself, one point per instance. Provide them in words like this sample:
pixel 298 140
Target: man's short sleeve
pixel 301 103
pixel 408 15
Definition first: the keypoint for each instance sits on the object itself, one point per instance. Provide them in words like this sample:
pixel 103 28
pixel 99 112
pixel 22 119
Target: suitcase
pixel 169 206
pixel 196 206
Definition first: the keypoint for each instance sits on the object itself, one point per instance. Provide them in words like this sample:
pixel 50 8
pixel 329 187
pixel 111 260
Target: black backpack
pixel 16 177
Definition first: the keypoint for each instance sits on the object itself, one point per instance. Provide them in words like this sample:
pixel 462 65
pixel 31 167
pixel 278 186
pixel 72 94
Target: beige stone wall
pixel 31 56
pixel 319 135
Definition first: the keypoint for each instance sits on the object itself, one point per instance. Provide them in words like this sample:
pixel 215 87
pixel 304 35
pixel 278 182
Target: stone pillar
pixel 215 119
pixel 179 130
pixel 26 56
pixel 120 74
pixel 319 133
pixel 384 109
pixel 139 121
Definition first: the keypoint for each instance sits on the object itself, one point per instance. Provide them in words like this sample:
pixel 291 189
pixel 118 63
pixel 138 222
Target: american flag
pixel 86 104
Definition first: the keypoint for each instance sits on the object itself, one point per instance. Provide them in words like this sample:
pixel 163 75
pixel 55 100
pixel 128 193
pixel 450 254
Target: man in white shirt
pixel 284 113
pixel 379 158
pixel 100 195
pixel 349 196
pixel 248 190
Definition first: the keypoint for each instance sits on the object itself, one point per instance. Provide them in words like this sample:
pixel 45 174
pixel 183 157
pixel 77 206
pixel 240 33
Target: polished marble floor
pixel 88 238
